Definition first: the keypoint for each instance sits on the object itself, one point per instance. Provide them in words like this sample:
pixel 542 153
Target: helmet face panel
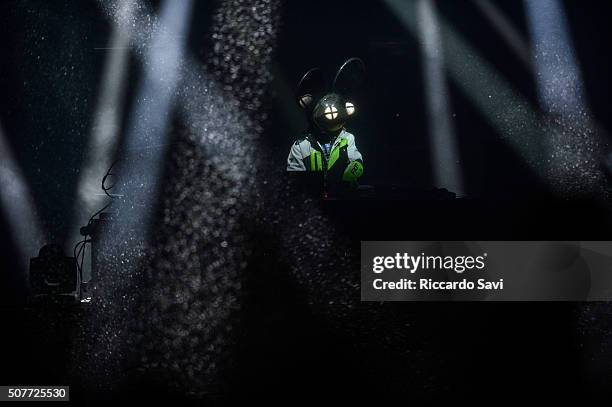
pixel 330 113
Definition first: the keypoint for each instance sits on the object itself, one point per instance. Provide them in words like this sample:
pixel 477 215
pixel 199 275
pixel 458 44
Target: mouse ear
pixel 311 88
pixel 350 77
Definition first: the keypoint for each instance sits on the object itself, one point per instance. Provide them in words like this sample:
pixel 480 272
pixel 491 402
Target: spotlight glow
pixel 511 115
pixel 444 150
pixel 141 162
pixel 104 137
pixel 559 81
pixel 18 207
pixel 573 146
pixel 506 29
pixel 193 262
pixel 563 155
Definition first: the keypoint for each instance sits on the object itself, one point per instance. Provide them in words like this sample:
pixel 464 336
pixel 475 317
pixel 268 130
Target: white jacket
pixel 301 150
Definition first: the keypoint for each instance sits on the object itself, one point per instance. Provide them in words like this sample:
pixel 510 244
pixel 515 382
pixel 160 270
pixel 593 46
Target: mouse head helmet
pixel 330 107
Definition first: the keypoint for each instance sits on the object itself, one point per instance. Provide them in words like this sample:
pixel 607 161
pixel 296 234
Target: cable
pixel 79 248
pixel 80 253
pixel 108 173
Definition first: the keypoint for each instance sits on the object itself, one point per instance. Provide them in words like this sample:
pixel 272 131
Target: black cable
pixel 76 254
pixel 83 248
pixel 80 253
pixel 98 212
pixel 79 247
pixel 108 173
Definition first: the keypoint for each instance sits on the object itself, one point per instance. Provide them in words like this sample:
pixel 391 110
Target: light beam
pixel 445 154
pixel 141 162
pixel 18 206
pixel 574 147
pixel 507 30
pixel 558 77
pixel 104 137
pixel 512 116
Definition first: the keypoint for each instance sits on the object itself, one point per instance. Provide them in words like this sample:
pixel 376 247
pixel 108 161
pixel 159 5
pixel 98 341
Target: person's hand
pixel 353 171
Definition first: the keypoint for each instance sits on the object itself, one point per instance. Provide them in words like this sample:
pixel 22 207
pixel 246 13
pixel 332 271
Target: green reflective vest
pixel 317 160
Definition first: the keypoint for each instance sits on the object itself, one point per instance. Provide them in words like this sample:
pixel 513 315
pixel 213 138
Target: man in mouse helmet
pixel 326 146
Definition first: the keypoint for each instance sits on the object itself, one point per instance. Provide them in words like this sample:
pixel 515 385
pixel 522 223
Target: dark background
pixel 49 78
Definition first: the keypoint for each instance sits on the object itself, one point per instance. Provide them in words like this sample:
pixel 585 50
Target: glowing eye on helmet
pixel 350 108
pixel 331 112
